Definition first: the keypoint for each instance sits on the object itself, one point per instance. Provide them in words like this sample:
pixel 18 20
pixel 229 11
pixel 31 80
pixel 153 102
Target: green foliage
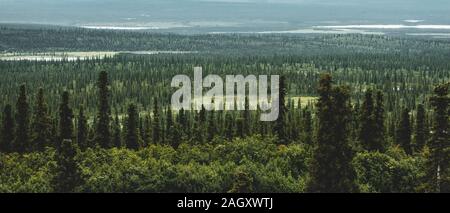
pixel 27 173
pixel 251 165
pixel 378 172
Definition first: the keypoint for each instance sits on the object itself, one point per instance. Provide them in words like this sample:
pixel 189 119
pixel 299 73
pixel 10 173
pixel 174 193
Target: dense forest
pixel 359 113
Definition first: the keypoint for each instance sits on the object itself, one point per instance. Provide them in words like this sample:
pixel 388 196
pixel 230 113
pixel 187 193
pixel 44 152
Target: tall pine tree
pixel 22 143
pixel 82 130
pixel 132 139
pixel 103 134
pixel 367 123
pixel 331 169
pixel 229 127
pixel 438 165
pixel 421 129
pixel 68 176
pixel 42 124
pixel 280 123
pixel 156 125
pixel 379 121
pixel 403 134
pixel 117 131
pixel 65 118
pixel 8 128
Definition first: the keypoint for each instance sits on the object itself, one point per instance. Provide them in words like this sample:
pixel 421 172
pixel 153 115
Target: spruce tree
pixel 211 126
pixel 403 134
pixel 132 139
pixel 247 118
pixel 82 130
pixel 156 125
pixel 307 126
pixel 117 132
pixel 65 118
pixel 22 143
pixel 367 123
pixel 229 133
pixel 280 123
pixel 240 122
pixel 148 130
pixel 421 130
pixel 42 124
pixel 438 163
pixel 199 128
pixel 183 122
pixel 68 176
pixel 169 125
pixel 103 135
pixel 175 130
pixel 379 121
pixel 331 168
pixel 8 128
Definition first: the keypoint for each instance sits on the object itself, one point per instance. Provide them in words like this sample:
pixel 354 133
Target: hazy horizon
pixel 223 15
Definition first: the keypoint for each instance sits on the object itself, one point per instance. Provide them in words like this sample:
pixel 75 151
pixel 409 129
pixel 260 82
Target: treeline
pixel 25 38
pixel 333 131
pixel 142 78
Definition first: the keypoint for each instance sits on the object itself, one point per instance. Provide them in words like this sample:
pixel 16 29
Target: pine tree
pixel 156 126
pixel 148 130
pixel 367 123
pixel 22 143
pixel 132 139
pixel 175 130
pixel 183 122
pixel 8 128
pixel 82 130
pixel 229 127
pixel 169 125
pixel 54 131
pixel 117 132
pixel 211 126
pixel 331 168
pixel 379 120
pixel 103 135
pixel 65 118
pixel 199 129
pixel 403 134
pixel 68 175
pixel 280 123
pixel 247 119
pixel 307 126
pixel 240 127
pixel 421 129
pixel 438 165
pixel 42 125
